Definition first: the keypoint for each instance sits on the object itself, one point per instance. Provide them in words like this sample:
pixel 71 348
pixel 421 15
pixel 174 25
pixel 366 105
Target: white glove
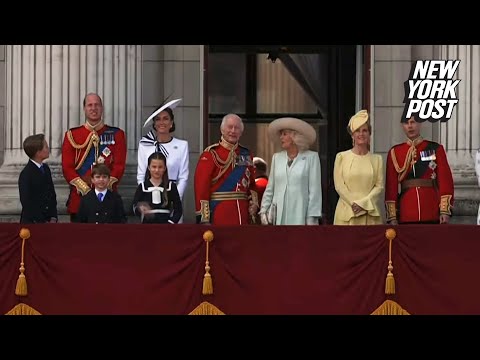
pixel 312 220
pixel 263 219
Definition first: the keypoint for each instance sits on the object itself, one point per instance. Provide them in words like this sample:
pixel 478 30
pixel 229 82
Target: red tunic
pixel 224 184
pixel 261 184
pixel 82 147
pixel 421 170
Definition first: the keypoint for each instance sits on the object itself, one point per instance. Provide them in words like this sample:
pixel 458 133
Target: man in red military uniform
pixel 421 169
pixel 225 179
pixel 261 177
pixel 84 146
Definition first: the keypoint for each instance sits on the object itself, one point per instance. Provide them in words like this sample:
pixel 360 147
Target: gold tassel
pixel 207 278
pixel 23 309
pixel 390 281
pixel 390 307
pixel 21 288
pixel 205 308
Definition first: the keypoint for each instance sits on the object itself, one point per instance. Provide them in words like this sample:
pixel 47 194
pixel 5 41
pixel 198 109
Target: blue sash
pixel 107 136
pixel 230 181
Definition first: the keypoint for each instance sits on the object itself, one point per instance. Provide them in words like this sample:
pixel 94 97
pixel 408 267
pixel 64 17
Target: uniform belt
pixel 407 184
pixel 228 195
pixel 158 211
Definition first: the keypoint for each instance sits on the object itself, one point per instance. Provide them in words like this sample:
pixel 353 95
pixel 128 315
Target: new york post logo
pixel 430 91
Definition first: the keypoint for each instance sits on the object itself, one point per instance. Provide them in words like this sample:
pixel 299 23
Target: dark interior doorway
pixel 338 97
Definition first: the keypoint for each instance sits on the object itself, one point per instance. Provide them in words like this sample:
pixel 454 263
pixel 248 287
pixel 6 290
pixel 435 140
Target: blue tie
pixel 42 169
pixel 100 197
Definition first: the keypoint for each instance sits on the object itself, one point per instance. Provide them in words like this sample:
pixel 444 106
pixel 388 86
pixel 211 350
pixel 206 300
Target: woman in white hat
pixel 160 139
pixel 358 177
pixel 294 192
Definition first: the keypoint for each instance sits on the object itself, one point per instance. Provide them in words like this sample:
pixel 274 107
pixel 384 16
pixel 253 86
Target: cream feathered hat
pixel 357 120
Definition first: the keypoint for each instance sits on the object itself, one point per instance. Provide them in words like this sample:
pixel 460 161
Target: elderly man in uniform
pixel 86 145
pixel 224 179
pixel 421 169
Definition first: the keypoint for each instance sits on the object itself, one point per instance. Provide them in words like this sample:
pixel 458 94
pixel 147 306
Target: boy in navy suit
pixel 101 205
pixel 35 184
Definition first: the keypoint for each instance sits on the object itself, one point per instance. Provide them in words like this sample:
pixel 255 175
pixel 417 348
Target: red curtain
pixel 159 269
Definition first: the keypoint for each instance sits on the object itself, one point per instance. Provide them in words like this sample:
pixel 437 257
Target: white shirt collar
pixel 36 163
pixel 104 192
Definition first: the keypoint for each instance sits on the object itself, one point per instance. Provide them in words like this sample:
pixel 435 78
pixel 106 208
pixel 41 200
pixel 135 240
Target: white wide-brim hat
pixel 289 123
pixel 171 104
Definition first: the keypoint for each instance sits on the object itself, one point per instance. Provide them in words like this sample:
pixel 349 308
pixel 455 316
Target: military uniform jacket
pixel 224 184
pixel 37 194
pixel 418 182
pixel 94 211
pixel 83 147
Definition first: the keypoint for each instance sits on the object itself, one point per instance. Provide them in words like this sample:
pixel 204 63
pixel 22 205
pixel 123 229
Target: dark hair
pixel 33 144
pixel 100 169
pixel 261 166
pixel 170 113
pixel 164 183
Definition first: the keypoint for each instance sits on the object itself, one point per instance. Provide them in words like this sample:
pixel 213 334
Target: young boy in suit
pixel 35 184
pixel 101 205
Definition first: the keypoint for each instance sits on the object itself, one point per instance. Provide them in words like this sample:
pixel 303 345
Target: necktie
pixel 100 197
pixel 42 169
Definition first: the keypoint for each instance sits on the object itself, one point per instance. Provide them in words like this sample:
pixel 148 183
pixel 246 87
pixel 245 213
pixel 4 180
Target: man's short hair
pixel 32 144
pixel 100 169
pixel 85 98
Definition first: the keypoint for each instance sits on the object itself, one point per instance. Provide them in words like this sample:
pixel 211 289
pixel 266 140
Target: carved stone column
pixel 46 85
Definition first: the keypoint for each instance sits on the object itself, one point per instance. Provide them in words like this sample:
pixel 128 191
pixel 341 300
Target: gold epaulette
pixel 211 146
pixel 82 186
pixel 446 205
pixel 112 181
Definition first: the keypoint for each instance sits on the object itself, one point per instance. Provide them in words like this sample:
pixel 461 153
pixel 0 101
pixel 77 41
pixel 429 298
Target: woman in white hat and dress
pixel 359 178
pixel 160 139
pixel 294 192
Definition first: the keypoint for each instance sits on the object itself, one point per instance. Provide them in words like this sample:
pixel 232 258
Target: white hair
pixel 233 116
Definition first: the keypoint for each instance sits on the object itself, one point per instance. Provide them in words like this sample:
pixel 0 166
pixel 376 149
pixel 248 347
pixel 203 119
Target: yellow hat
pixel 358 120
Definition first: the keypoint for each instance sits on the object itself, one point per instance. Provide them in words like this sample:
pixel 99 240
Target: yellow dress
pixel 358 179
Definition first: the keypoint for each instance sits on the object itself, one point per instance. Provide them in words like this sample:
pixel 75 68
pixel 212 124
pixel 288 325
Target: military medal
pixel 100 160
pixel 427 155
pixel 106 152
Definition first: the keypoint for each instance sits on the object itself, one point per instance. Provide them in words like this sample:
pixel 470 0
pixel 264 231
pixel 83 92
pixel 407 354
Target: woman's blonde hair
pixel 300 140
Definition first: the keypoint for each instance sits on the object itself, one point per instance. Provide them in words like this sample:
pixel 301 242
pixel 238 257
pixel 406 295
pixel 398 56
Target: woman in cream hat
pixel 294 193
pixel 358 177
